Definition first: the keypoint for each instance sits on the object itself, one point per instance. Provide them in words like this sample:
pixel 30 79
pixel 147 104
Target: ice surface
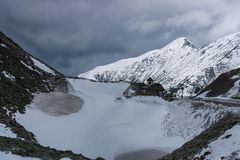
pixel 106 126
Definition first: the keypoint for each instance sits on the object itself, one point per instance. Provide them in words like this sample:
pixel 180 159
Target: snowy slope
pixel 178 62
pixel 42 66
pixel 108 127
pixel 226 147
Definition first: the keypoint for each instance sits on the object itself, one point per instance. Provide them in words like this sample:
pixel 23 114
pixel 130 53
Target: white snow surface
pixel 224 146
pixel 42 66
pixel 108 127
pixel 234 92
pixel 178 62
pixel 29 67
pixel 9 156
pixel 8 75
pixel 3 45
pixel 6 132
pixel 65 159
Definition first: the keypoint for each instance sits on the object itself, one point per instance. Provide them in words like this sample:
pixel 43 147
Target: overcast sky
pixel 76 35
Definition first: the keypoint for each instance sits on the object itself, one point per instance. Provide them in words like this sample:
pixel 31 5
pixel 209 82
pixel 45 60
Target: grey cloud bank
pixel 75 36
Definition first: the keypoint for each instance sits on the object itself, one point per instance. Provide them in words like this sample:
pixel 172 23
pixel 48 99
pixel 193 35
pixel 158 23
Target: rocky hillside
pixel 201 148
pixel 226 85
pixel 178 62
pixel 21 75
pixel 30 149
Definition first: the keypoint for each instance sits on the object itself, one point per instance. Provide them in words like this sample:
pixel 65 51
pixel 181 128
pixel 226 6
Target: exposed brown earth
pixel 57 103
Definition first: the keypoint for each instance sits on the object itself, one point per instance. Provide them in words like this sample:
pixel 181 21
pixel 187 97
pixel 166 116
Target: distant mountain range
pixel 179 62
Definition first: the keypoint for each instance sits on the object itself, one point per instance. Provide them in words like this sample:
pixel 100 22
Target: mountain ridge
pixel 178 62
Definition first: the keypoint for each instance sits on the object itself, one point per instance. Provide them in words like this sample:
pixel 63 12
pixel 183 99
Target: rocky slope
pixel 199 147
pixel 21 76
pixel 225 85
pixel 178 62
pixel 30 149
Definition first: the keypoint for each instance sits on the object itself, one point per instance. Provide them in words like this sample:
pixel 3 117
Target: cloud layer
pixel 75 36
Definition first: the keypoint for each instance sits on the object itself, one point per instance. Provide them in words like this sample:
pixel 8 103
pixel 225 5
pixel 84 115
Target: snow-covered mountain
pixel 177 62
pixel 94 118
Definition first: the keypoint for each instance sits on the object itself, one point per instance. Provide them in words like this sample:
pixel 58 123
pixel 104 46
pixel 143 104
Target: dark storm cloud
pixel 76 35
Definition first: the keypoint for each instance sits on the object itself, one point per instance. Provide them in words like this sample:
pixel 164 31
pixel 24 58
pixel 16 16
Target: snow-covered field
pixel 108 127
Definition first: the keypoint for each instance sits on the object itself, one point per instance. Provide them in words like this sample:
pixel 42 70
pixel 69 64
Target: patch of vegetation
pixel 196 145
pixel 28 149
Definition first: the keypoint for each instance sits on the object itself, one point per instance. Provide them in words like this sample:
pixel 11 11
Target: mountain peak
pixel 177 62
pixel 180 42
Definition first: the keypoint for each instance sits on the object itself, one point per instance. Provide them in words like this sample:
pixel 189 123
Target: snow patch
pixel 236 77
pixel 3 45
pixel 8 75
pixel 42 66
pixel 29 67
pixel 65 159
pixel 6 132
